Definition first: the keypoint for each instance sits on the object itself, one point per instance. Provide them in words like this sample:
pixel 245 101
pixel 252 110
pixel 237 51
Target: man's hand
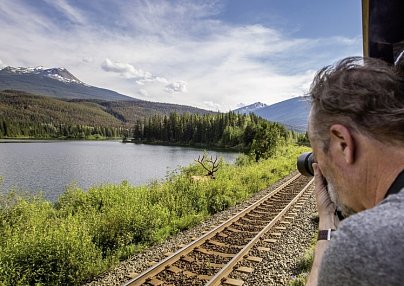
pixel 325 207
pixel 326 213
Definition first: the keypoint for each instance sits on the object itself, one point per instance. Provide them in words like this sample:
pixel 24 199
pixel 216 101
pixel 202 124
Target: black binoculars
pixel 304 164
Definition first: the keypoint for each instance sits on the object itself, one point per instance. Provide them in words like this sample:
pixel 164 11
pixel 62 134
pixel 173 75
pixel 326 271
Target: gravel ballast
pixel 277 267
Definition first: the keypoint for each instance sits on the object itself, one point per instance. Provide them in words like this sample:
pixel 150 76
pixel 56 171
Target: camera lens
pixel 304 164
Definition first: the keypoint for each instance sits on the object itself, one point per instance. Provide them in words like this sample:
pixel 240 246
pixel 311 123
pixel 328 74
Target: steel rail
pixel 226 270
pixel 157 268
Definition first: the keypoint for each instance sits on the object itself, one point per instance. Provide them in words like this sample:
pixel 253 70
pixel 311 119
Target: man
pixel 356 129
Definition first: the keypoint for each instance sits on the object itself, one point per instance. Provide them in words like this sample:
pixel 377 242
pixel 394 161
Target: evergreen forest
pixel 243 132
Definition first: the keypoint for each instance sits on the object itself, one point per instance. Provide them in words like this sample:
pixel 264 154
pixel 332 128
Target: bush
pixel 40 248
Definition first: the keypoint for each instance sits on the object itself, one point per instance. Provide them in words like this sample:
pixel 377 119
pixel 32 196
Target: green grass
pixel 84 233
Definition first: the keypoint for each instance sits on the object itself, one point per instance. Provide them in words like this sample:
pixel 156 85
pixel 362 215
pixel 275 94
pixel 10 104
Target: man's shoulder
pixel 387 216
pixel 367 248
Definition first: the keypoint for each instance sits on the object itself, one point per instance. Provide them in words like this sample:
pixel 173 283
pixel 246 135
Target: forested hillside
pixel 26 115
pixel 244 132
pixel 32 116
pixel 131 111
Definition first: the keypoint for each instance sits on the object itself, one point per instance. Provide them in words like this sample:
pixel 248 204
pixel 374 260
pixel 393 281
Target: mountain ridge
pixel 293 113
pixel 54 82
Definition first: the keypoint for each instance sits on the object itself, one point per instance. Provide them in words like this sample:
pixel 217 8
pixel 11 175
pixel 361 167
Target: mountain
pixel 251 108
pixel 18 105
pixel 293 113
pixel 54 82
pixel 35 116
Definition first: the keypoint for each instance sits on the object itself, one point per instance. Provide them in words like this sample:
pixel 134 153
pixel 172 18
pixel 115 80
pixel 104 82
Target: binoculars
pixel 304 164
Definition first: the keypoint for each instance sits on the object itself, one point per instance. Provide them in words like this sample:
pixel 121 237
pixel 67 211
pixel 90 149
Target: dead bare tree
pixel 214 166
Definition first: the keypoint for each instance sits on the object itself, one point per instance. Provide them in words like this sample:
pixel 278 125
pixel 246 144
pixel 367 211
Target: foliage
pixel 31 116
pixel 85 232
pixel 248 133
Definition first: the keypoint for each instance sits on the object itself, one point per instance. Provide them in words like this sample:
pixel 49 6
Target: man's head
pixel 357 104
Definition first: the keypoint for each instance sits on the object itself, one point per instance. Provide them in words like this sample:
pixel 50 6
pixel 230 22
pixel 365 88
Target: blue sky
pixel 216 55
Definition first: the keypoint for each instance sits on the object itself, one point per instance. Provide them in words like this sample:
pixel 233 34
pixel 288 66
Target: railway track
pixel 213 258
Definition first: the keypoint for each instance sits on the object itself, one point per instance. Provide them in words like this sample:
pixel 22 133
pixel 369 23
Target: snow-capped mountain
pixel 250 108
pixel 60 74
pixel 54 82
pixel 292 113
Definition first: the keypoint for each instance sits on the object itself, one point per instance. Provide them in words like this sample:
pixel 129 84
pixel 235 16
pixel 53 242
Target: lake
pixel 50 166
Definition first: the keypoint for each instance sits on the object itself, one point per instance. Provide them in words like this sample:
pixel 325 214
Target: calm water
pixel 51 166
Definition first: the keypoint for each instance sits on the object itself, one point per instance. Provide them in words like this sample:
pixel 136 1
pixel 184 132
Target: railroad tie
pixel 229 228
pixel 266 249
pixel 204 277
pixel 254 259
pixel 233 282
pixel 245 269
pixel 189 274
pixel 259 211
pixel 222 244
pixel 188 259
pixel 239 224
pixel 174 269
pixel 254 215
pixel 208 252
pixel 217 243
pixel 215 265
pixel 221 234
pixel 155 282
pixel 277 234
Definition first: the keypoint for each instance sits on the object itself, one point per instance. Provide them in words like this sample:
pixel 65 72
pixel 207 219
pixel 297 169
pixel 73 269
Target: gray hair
pixel 365 95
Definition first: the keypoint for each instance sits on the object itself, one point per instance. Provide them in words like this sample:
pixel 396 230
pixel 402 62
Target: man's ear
pixel 342 142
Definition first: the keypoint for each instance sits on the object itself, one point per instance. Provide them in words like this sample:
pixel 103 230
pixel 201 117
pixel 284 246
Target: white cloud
pixel 213 105
pixel 142 77
pixel 124 69
pixel 177 86
pixel 151 48
pixel 70 12
pixel 241 104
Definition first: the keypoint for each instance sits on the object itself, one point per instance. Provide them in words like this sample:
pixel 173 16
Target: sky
pixel 216 55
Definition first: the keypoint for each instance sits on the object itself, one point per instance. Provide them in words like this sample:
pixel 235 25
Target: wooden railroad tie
pixel 254 259
pixel 232 282
pixel 204 277
pixel 245 269
pixel 155 282
pixel 189 274
pixel 174 269
pixel 216 253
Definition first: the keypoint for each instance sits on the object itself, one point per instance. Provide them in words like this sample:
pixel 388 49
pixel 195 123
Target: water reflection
pixel 51 166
